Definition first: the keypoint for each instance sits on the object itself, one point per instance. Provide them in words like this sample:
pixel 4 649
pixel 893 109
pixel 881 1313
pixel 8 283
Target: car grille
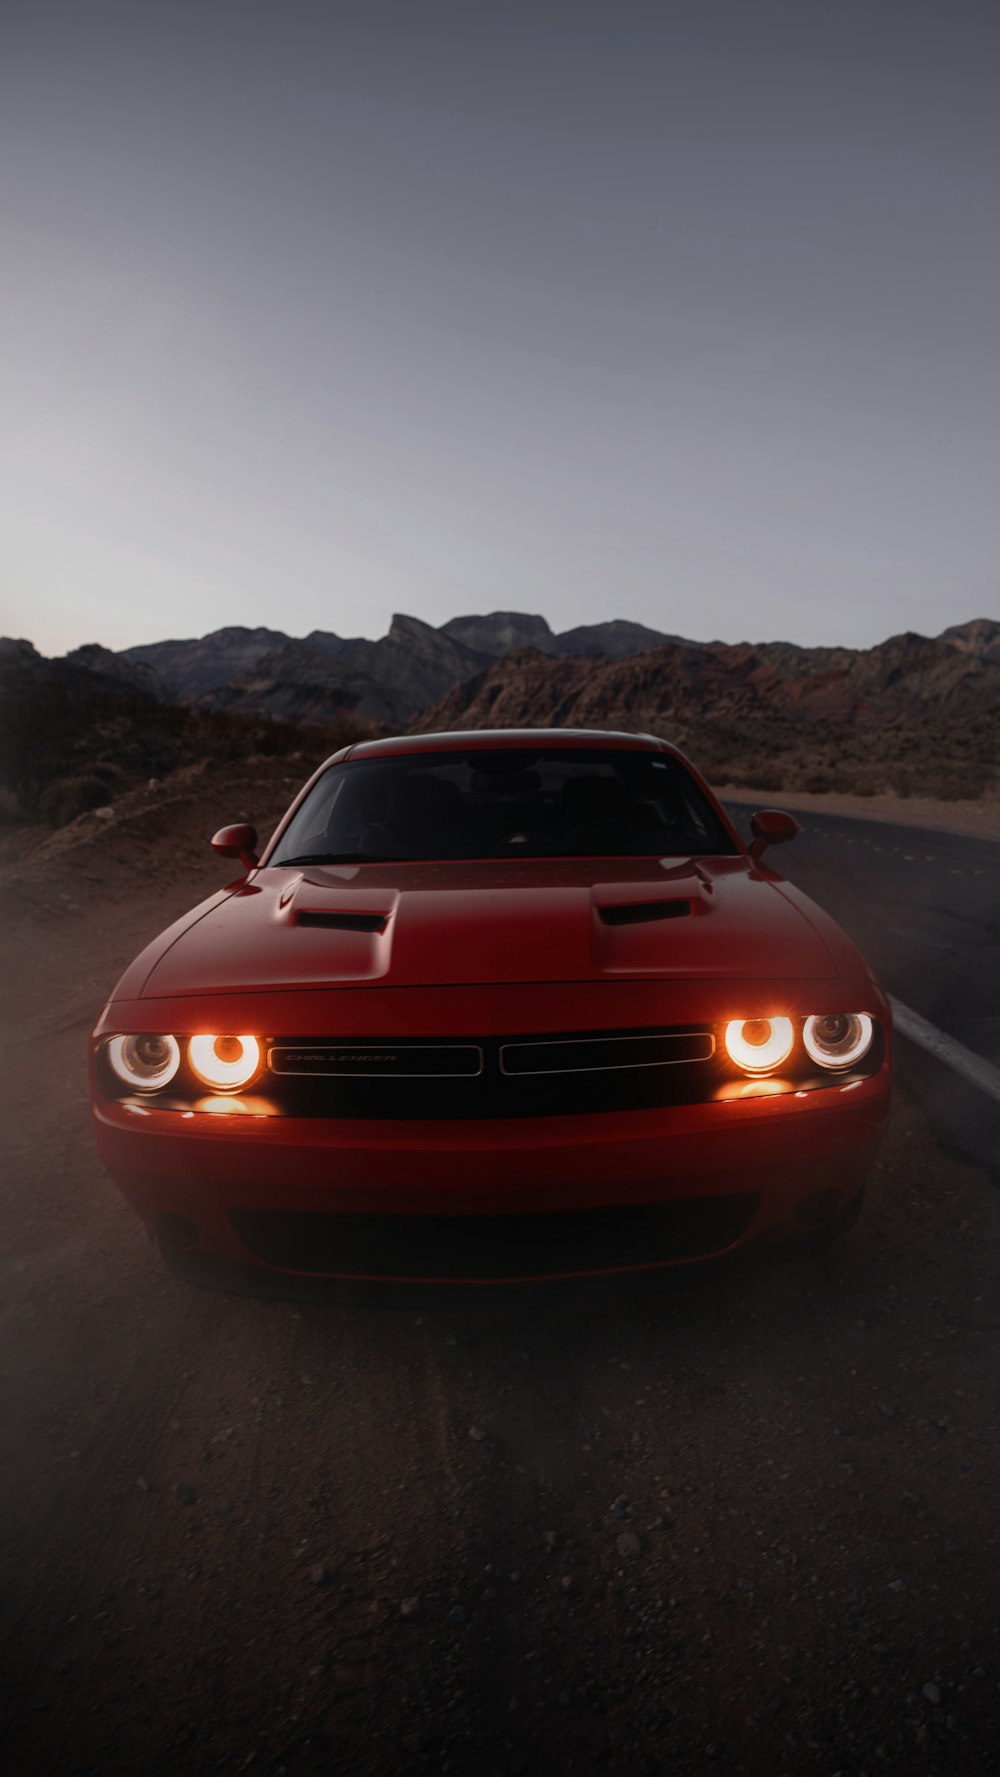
pixel 376 1061
pixel 553 1074
pixel 495 1247
pixel 577 1055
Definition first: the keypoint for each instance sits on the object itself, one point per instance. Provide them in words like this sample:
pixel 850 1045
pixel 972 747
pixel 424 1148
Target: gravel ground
pixel 737 1520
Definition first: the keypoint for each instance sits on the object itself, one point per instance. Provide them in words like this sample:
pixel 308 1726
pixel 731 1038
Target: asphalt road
pixel 924 909
pixel 739 1521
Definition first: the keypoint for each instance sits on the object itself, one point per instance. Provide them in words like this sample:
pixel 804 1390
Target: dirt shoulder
pixel 148 839
pixel 971 819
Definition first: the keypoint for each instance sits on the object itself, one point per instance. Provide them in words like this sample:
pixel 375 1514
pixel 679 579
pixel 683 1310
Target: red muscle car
pixel 492 1006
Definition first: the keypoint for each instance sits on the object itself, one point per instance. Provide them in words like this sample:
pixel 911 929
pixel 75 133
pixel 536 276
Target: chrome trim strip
pixel 612 1067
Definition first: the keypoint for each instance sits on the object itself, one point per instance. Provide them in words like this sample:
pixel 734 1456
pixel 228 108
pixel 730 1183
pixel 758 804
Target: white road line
pixel 972 1067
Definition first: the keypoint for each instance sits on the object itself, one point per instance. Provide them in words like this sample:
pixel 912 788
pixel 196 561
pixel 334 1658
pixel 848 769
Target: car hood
pixel 451 924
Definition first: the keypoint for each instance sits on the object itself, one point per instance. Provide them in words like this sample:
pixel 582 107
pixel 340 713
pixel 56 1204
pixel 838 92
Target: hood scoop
pixel 485 924
pixel 640 913
pixel 342 922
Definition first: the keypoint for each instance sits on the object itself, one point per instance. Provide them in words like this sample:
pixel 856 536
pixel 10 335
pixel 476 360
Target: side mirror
pixel 237 842
pixel 770 826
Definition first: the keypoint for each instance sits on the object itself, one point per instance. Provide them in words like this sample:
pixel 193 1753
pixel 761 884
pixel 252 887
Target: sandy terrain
pixel 151 838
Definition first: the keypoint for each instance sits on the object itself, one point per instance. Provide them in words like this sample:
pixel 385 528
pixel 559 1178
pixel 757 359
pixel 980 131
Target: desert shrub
pixel 768 777
pixel 818 784
pixel 61 726
pixel 755 774
pixel 714 768
pixel 150 752
pixel 67 797
pixel 958 785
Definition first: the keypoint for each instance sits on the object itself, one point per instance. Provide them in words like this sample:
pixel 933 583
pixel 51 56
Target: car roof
pixel 463 740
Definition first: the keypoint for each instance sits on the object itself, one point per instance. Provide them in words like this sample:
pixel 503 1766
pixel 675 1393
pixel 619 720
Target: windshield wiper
pixel 331 857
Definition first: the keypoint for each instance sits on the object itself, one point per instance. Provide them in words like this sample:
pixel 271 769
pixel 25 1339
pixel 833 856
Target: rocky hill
pixel 389 680
pixel 913 715
pixel 384 681
pixel 197 666
pixel 501 631
pixel 266 672
pixel 80 732
pixel 981 636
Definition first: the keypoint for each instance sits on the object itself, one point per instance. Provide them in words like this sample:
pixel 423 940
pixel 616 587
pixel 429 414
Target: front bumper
pixel 206 1183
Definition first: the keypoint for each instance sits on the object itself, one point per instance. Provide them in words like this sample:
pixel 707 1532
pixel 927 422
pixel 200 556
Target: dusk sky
pixel 688 313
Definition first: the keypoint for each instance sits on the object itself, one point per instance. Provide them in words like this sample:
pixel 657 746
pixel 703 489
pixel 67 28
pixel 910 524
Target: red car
pixel 492 1006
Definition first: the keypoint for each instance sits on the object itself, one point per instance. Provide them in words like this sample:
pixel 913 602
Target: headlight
pixel 224 1063
pixel 759 1044
pixel 837 1039
pixel 144 1062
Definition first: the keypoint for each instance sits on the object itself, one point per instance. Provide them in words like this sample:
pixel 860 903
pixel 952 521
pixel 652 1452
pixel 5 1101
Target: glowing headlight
pixel 144 1062
pixel 759 1044
pixel 224 1063
pixel 837 1039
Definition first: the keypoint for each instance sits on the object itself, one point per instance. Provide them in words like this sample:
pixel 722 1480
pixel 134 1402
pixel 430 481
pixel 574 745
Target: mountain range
pixel 914 714
pixel 388 682
pixel 911 713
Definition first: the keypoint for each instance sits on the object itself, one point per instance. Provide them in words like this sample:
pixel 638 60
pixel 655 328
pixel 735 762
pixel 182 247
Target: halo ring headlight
pixel 224 1063
pixel 759 1044
pixel 144 1061
pixel 837 1039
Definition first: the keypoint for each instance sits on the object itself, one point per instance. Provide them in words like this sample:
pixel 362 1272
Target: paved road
pixel 924 908
pixel 741 1522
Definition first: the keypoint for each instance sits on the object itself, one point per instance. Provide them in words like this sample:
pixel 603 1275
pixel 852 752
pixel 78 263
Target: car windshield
pixel 501 803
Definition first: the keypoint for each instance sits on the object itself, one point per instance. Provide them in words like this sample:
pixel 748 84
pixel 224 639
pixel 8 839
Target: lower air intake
pixel 494 1247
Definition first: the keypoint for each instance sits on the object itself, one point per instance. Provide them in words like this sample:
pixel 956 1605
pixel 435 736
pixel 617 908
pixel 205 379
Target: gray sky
pixel 311 312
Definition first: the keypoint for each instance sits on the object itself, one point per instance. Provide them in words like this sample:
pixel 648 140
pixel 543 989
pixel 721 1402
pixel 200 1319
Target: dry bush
pixel 71 740
pixel 959 784
pixel 65 798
